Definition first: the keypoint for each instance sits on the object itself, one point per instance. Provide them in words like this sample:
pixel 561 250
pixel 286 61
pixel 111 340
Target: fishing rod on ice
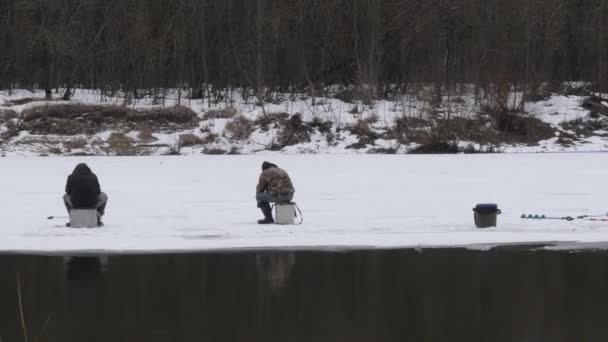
pixel 56 217
pixel 602 217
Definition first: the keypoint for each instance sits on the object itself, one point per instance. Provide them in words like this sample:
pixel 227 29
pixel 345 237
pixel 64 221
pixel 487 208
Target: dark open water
pixel 513 294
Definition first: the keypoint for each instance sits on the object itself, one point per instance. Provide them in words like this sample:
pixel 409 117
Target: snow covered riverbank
pixel 93 123
pixel 349 201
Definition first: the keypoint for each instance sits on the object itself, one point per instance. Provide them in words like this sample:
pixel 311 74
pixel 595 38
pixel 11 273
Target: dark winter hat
pixel 266 165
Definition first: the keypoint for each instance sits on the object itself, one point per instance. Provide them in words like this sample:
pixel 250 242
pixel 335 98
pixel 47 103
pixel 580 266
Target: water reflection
pixel 400 295
pixel 274 268
pixel 79 267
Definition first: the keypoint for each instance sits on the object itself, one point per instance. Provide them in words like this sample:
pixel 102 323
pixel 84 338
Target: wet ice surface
pixel 348 201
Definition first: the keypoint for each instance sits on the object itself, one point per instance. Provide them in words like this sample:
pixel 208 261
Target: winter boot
pixel 99 221
pixel 267 211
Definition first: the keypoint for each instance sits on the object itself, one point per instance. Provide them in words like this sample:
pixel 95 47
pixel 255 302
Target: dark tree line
pixel 305 45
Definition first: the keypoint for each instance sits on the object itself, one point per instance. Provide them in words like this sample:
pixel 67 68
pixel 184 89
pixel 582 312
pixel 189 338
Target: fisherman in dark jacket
pixel 274 185
pixel 82 191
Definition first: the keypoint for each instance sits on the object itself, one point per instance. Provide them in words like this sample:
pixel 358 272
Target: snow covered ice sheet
pixel 349 201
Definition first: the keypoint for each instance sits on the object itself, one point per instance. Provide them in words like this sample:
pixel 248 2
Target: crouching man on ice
pixel 82 191
pixel 274 185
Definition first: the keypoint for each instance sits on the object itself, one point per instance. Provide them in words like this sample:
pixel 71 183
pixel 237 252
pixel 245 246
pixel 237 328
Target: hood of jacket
pixel 82 169
pixel 267 165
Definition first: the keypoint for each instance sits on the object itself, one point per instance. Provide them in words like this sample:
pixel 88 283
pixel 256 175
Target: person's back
pixel 82 191
pixel 83 187
pixel 276 182
pixel 274 185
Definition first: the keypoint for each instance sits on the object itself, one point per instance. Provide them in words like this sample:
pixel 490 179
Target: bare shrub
pixel 226 113
pixel 383 150
pixel 408 129
pixel 585 128
pixel 55 150
pixel 330 137
pixel 574 88
pixel 72 111
pixel 75 144
pixel 362 128
pixel 96 142
pixel 456 128
pixel 146 134
pixel 209 138
pixel 81 118
pixel 566 139
pixel 354 94
pixel 7 114
pixel 539 92
pixel 174 150
pixel 472 149
pixel 276 119
pixel 234 151
pixel 12 130
pixel 438 135
pixel 478 130
pixel 324 127
pixel 7 118
pixel 239 128
pixel 121 145
pixel 163 116
pixel 366 135
pixel 39 140
pixel 523 128
pixel 372 119
pixel 189 139
pixel 436 147
pixel 498 95
pixel 214 151
pixel 459 100
pixel 595 105
pixel 294 132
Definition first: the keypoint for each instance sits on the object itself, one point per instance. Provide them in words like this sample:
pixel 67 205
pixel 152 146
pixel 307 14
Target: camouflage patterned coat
pixel 275 181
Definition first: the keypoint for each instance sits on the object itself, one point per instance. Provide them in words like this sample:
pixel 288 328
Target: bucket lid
pixel 486 208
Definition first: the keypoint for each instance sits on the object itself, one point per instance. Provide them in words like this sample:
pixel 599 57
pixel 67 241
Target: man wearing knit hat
pixel 274 185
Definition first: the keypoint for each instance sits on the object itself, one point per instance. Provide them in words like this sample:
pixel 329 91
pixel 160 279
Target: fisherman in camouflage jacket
pixel 274 185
